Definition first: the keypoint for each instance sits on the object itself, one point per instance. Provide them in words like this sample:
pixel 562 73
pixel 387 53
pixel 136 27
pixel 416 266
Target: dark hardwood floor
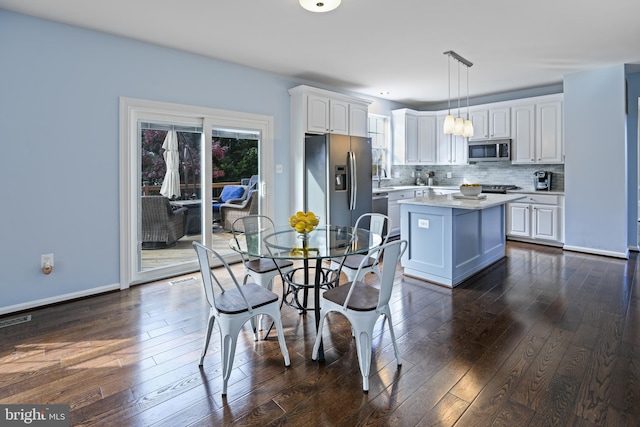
pixel 541 338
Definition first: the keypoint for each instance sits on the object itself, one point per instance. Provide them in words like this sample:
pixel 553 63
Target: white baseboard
pixel 624 255
pixel 58 298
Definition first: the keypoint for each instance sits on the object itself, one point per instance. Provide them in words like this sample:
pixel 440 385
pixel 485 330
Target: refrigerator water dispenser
pixel 341 178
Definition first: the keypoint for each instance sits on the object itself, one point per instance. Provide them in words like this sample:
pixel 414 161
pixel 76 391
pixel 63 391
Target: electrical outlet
pixel 413 174
pixel 278 168
pixel 46 259
pixel 396 174
pixel 448 174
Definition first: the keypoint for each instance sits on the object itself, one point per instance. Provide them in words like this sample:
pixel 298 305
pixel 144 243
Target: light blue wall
pixel 596 160
pixel 59 92
pixel 633 92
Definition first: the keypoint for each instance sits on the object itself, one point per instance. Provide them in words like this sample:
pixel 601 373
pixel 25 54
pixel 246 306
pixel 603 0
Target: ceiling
pixel 390 49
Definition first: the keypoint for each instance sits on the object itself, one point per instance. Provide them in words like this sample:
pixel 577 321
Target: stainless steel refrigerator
pixel 337 177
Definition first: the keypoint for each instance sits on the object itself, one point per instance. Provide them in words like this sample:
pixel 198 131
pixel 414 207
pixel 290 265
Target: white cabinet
pixel 537 132
pixel 358 119
pixel 325 114
pixel 523 144
pixel 427 139
pixel 393 208
pixel 414 137
pixel 451 149
pixel 549 134
pixel 491 123
pixel 537 218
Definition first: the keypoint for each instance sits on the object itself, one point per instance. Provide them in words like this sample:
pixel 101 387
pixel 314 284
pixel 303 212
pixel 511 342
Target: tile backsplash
pixel 483 173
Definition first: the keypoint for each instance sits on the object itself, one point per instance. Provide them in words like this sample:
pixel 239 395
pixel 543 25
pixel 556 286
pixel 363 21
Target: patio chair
pixel 229 194
pixel 232 308
pixel 253 182
pixel 363 304
pixel 350 264
pixel 162 225
pixel 233 210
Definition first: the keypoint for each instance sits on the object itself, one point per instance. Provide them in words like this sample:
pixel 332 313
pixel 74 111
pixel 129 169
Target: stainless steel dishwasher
pixel 380 204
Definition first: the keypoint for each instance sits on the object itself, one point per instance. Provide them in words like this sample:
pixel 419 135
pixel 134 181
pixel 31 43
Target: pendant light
pixel 320 5
pixel 449 123
pixel 458 126
pixel 467 131
pixel 459 122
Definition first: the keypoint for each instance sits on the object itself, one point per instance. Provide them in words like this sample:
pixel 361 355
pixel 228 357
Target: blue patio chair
pixel 229 194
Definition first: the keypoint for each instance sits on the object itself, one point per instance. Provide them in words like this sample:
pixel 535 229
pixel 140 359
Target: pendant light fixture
pixel 459 122
pixel 458 126
pixel 449 122
pixel 320 5
pixel 467 131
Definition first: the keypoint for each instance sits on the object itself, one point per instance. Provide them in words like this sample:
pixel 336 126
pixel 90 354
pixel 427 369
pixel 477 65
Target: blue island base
pixel 448 245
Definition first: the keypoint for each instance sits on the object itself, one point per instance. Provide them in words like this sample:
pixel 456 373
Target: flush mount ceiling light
pixel 320 5
pixel 458 126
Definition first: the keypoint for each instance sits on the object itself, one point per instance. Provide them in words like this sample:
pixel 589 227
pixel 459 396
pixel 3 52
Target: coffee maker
pixel 542 181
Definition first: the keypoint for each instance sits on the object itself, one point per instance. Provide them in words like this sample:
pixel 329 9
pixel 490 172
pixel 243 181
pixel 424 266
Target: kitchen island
pixel 452 238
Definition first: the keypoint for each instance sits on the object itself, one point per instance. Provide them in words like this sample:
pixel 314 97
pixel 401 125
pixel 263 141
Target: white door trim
pixel 130 108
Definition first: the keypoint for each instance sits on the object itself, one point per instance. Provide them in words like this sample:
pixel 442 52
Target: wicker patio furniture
pixel 162 225
pixel 229 212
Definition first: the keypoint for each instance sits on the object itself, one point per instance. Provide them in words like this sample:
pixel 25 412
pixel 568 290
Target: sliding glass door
pixel 176 166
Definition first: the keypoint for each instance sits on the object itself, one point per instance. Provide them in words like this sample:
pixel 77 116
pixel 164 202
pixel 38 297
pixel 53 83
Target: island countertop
pixel 450 201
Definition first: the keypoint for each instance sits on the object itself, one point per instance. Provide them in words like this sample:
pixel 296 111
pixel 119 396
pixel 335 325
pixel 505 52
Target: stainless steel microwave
pixel 495 150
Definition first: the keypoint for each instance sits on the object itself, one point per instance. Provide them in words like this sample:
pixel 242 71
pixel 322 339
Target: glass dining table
pixel 324 243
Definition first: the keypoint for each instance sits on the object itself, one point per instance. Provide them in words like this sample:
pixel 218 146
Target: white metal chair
pixel 232 308
pixel 261 270
pixel 362 304
pixel 351 263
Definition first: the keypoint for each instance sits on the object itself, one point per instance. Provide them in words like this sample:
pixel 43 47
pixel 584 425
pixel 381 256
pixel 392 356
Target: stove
pixel 502 189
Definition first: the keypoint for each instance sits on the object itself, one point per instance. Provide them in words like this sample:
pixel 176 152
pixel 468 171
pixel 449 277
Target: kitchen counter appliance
pixel 542 181
pixel 498 188
pixel 489 151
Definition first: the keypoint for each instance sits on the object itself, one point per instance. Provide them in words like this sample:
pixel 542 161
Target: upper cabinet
pixel 358 119
pixel 328 112
pixel 549 139
pixel 451 149
pixel 414 137
pixel 534 126
pixel 491 123
pixel 537 131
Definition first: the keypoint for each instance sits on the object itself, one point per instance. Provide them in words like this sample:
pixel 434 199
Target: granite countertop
pixel 448 201
pixel 456 187
pixel 416 187
pixel 532 191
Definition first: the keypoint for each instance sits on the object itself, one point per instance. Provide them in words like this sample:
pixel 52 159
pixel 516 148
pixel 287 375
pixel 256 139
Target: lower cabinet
pixel 537 218
pixel 393 209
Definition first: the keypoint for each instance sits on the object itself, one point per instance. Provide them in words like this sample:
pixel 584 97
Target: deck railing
pixel 216 188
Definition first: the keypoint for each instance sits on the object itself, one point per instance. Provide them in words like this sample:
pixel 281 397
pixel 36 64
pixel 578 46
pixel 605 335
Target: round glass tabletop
pixel 326 241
